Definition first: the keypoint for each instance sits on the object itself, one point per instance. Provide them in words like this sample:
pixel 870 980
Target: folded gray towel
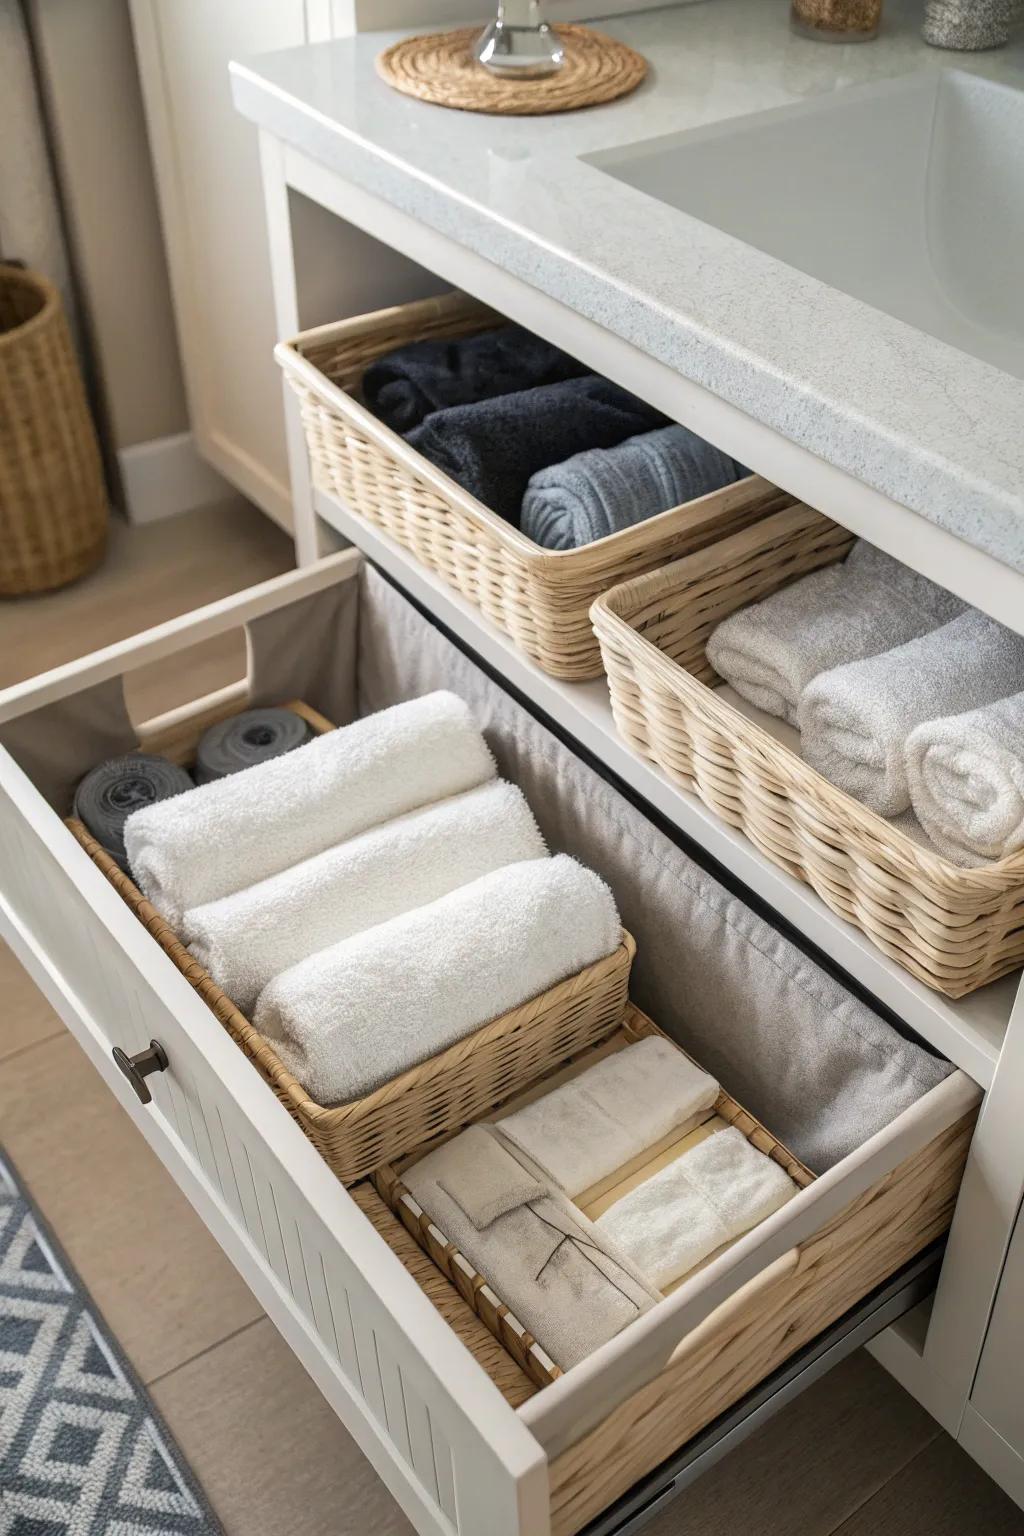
pixel 855 720
pixel 406 385
pixel 966 776
pixel 770 651
pixel 243 740
pixel 570 1286
pixel 604 490
pixel 110 792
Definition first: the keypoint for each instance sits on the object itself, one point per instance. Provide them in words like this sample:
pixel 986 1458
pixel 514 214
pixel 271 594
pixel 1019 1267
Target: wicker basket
pixel 440 1095
pixel 53 500
pixel 475 1289
pixel 540 597
pixel 954 929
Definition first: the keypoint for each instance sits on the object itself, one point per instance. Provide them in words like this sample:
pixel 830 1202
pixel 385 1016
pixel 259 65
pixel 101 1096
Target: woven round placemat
pixel 440 67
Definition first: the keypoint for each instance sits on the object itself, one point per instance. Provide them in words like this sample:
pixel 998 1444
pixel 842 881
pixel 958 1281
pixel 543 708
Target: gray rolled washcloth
pixel 604 490
pixel 771 650
pixel 110 792
pixel 966 776
pixel 855 720
pixel 252 737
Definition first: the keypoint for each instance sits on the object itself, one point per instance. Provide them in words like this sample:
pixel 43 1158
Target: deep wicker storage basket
pixel 954 929
pixel 441 1094
pixel 53 500
pixel 540 597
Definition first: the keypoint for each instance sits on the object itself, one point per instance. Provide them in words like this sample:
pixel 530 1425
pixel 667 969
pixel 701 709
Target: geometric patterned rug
pixel 83 1452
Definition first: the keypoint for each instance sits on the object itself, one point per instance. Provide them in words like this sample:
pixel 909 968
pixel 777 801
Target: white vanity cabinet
pixel 993 1429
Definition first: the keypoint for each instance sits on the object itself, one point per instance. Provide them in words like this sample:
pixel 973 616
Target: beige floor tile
pixel 25 1015
pixel 941 1493
pixel 154 1271
pixel 269 1452
pixel 812 1465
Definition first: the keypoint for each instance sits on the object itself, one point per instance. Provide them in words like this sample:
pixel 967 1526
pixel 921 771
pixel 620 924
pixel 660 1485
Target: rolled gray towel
pixel 252 737
pixel 770 651
pixel 110 792
pixel 966 776
pixel 604 490
pixel 855 720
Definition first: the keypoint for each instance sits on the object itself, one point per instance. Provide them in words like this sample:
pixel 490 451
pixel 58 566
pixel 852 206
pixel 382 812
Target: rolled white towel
pixel 611 1113
pixel 241 829
pixel 708 1197
pixel 855 721
pixel 770 651
pixel 246 939
pixel 966 775
pixel 356 1015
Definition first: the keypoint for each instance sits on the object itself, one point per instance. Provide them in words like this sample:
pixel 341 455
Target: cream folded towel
pixel 855 721
pixel 246 939
pixel 610 1113
pixel 708 1197
pixel 770 651
pixel 356 1015
pixel 966 775
pixel 243 828
pixel 546 1261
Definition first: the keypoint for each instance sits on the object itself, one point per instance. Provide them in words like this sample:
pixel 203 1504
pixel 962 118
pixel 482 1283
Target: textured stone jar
pixel 968 25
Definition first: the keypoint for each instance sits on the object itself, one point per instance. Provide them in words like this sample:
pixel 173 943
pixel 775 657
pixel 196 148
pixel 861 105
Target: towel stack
pixel 371 896
pixel 562 453
pixel 904 697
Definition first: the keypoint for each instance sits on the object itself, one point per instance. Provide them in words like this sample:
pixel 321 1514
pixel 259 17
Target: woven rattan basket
pixel 476 1290
pixel 53 501
pixel 441 1094
pixel 540 597
pixel 954 929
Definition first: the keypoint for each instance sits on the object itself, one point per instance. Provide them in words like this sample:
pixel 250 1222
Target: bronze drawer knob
pixel 138 1067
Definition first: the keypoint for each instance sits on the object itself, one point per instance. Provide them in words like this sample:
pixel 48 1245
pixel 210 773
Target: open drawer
pixel 887 1132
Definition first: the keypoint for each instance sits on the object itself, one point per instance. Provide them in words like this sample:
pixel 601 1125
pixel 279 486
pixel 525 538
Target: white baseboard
pixel 166 476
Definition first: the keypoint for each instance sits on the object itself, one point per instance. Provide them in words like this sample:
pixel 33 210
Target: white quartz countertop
pixel 929 426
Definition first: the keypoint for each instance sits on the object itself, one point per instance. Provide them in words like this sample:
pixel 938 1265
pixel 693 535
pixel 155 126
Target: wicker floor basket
pixel 475 1289
pixel 441 1094
pixel 53 500
pixel 540 597
pixel 954 929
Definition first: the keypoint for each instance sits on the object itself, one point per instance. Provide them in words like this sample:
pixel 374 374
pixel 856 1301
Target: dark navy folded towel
pixel 406 385
pixel 243 740
pixel 109 793
pixel 491 448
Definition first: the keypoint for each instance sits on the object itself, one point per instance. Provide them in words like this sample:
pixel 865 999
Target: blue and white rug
pixel 82 1450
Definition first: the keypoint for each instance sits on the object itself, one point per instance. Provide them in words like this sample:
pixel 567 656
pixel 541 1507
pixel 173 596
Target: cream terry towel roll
pixel 770 651
pixel 708 1197
pixel 855 721
pixel 246 939
pixel 966 776
pixel 243 828
pixel 356 1015
pixel 610 1113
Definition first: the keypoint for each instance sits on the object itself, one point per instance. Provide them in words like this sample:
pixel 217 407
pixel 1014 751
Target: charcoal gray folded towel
pixel 604 490
pixel 855 720
pixel 492 448
pixel 110 792
pixel 406 385
pixel 252 737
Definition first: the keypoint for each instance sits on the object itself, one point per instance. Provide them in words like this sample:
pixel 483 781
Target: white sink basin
pixel 907 195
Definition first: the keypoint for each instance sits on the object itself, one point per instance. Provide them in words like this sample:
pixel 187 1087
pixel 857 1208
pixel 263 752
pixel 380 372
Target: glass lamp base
pixel 519 53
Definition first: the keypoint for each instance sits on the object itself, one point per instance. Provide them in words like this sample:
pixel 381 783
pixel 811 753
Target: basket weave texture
pixel 540 597
pixel 954 929
pixel 53 500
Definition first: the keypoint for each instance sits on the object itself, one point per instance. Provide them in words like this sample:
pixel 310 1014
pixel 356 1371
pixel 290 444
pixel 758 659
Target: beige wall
pixel 91 85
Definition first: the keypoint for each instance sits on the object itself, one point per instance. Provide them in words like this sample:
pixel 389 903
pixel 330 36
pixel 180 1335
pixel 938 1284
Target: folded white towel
pixel 358 1014
pixel 246 939
pixel 238 830
pixel 966 775
pixel 708 1197
pixel 855 721
pixel 610 1113
pixel 770 651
